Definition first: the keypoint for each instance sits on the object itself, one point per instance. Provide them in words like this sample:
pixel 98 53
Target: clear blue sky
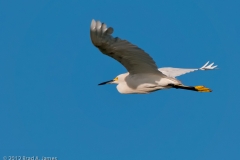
pixel 51 105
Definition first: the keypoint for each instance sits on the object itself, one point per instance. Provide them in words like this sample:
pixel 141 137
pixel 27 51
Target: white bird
pixel 143 76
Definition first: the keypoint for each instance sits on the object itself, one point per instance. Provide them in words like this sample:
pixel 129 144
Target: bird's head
pixel 120 78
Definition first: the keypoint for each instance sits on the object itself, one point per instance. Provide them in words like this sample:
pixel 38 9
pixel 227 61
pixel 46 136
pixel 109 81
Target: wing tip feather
pixel 208 66
pixel 93 24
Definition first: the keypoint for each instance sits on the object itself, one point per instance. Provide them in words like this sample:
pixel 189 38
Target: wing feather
pixel 175 72
pixel 134 59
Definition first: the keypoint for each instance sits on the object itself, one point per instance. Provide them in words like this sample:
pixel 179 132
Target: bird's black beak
pixel 106 82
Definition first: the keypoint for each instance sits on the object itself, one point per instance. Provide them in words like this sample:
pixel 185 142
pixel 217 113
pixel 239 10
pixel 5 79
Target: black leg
pixel 182 87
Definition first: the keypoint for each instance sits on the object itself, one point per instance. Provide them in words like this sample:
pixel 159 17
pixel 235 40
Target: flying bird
pixel 143 75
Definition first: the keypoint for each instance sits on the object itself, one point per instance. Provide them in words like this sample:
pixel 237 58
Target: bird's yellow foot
pixel 202 89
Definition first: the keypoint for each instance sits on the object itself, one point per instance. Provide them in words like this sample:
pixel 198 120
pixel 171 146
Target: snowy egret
pixel 143 76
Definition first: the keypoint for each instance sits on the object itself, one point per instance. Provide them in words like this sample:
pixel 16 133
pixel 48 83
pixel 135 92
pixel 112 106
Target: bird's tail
pixel 192 88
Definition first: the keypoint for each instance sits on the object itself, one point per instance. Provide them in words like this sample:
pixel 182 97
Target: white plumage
pixel 143 75
pixel 175 72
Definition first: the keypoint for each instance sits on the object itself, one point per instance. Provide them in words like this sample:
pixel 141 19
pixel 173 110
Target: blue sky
pixel 51 105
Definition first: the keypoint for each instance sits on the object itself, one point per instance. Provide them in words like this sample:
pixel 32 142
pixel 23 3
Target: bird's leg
pixel 196 88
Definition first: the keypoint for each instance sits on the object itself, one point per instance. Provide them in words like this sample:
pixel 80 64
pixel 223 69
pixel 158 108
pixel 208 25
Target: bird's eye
pixel 115 79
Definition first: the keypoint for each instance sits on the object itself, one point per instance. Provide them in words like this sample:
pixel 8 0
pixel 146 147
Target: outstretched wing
pixel 174 72
pixel 134 59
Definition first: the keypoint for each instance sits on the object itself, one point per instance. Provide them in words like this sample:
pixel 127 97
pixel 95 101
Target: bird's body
pixel 143 76
pixel 143 83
